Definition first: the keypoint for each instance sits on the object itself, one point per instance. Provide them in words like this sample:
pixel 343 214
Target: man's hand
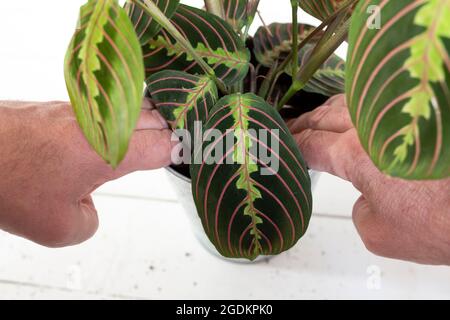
pixel 395 218
pixel 48 170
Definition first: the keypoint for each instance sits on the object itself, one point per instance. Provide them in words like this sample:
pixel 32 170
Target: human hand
pixel 408 220
pixel 48 170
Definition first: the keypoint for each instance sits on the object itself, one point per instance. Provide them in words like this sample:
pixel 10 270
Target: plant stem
pixel 314 62
pixel 293 89
pixel 252 78
pixel 315 32
pixel 331 30
pixel 215 7
pixel 152 10
pixel 335 34
pixel 272 87
pixel 294 4
pixel 265 86
pixel 252 8
pixel 322 54
pixel 281 68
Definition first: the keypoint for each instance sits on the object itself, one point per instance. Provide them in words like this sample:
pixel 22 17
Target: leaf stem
pixel 252 8
pixel 265 86
pixel 315 61
pixel 152 10
pixel 294 4
pixel 252 78
pixel 281 68
pixel 293 89
pixel 331 40
pixel 323 53
pixel 315 32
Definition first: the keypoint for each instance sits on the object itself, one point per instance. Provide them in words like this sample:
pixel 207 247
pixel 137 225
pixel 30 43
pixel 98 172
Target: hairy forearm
pixel 9 145
pixel 23 141
pixel 13 142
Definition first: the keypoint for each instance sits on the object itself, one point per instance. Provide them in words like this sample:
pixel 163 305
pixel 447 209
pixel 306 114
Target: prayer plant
pixel 204 71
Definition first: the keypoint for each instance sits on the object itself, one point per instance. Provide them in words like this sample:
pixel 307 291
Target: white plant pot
pixel 182 185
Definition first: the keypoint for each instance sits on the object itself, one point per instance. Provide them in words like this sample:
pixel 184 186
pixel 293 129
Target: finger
pixel 318 149
pixel 65 226
pixel 339 154
pixel 151 119
pixel 85 221
pixel 338 100
pixel 325 118
pixel 149 149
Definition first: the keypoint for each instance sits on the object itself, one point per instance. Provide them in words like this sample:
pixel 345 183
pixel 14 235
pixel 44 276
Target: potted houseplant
pixel 225 95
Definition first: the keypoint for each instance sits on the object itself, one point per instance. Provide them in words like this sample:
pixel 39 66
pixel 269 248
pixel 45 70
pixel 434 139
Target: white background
pixel 145 247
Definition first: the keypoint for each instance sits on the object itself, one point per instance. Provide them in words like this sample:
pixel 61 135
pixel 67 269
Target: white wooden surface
pixel 145 247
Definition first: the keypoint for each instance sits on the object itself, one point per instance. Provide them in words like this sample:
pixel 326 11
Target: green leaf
pixel 329 80
pixel 274 42
pixel 321 9
pixel 212 38
pixel 240 13
pixel 146 27
pixel 398 83
pixel 183 98
pixel 248 209
pixel 104 74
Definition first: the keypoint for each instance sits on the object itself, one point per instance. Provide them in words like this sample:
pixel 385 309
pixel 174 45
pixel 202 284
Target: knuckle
pixel 318 115
pixel 337 100
pixel 340 99
pixel 344 117
pixel 304 138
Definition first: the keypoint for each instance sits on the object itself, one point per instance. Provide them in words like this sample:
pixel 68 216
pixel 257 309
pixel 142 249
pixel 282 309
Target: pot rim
pixel 172 169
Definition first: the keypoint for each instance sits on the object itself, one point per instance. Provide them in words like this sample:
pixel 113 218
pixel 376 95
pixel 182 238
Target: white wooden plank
pixel 152 185
pixel 146 249
pixel 334 196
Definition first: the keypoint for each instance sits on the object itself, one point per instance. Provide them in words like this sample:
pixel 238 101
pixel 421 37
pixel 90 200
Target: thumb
pixel 85 220
pixel 150 146
pixel 66 226
pixel 149 149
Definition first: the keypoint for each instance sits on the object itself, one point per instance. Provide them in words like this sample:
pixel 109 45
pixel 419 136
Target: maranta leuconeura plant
pixel 203 66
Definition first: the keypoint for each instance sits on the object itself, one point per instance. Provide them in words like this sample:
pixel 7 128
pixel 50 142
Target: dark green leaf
pixel 240 13
pixel 182 98
pixel 321 9
pixel 274 42
pixel 146 27
pixel 247 212
pixel 398 83
pixel 212 38
pixel 104 74
pixel 329 80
